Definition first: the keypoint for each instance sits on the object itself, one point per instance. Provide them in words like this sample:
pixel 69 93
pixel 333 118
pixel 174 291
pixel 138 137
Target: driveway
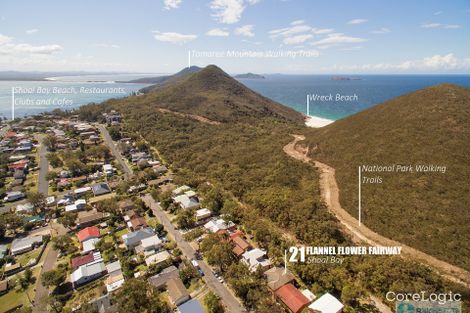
pixel 231 303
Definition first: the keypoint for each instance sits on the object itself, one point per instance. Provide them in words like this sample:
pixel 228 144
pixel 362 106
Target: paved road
pixel 40 299
pixel 43 184
pixel 109 142
pixel 231 303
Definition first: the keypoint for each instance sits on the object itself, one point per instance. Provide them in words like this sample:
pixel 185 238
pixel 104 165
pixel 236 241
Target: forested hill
pixel 212 93
pixel 429 211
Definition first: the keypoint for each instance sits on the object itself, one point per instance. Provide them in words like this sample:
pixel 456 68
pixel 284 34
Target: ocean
pixel 364 91
pixel 370 90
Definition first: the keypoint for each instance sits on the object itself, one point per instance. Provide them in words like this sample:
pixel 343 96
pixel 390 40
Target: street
pixel 109 142
pixel 43 184
pixel 231 303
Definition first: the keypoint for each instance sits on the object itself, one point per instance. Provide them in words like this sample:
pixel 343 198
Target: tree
pixel 50 142
pixel 53 278
pixel 221 255
pixel 54 159
pixel 63 243
pixel 138 295
pixel 51 175
pixel 26 279
pixel 212 302
pixel 214 200
pixel 68 219
pixel 186 219
pixel 11 221
pixel 37 199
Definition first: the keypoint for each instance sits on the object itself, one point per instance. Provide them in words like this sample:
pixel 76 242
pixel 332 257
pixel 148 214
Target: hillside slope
pixel 213 94
pixel 429 211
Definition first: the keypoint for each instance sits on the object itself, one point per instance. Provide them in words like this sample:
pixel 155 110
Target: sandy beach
pixel 317 122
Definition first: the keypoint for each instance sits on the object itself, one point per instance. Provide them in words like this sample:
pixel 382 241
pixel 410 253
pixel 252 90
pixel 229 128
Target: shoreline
pixel 317 122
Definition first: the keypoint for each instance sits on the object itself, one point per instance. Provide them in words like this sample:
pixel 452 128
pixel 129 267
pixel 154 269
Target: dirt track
pixel 330 194
pixel 199 118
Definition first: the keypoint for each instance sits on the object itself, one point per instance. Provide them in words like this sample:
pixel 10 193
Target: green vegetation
pixel 138 295
pixel 428 211
pixel 274 197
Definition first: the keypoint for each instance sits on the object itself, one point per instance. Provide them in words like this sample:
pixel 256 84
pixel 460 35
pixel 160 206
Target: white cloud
pixel 436 63
pixel 337 38
pixel 7 46
pixel 297 22
pixel 382 30
pixel 253 1
pixel 227 11
pixel 246 31
pixel 173 37
pixel 105 45
pixel 289 31
pixel 321 31
pixel 298 39
pixel 217 32
pixel 171 4
pixel 32 31
pixel 439 25
pixel 437 13
pixel 357 21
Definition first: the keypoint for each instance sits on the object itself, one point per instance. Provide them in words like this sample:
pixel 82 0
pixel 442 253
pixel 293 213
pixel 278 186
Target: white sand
pixel 317 122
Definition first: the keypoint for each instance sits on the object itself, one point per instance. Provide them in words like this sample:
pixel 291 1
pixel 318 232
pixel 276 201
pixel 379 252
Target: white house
pixel 180 190
pixel 22 245
pixel 149 244
pixel 326 304
pixel 202 214
pixel 217 225
pixel 256 258
pixel 185 202
pixel 87 273
pixel 157 258
pixel 108 169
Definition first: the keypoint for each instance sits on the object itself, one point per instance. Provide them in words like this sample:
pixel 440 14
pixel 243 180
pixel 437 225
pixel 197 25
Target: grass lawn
pixel 152 221
pixel 101 198
pixel 16 297
pixel 26 257
pixel 122 232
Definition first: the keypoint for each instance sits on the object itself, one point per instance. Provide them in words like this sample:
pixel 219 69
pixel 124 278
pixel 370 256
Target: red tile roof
pixel 88 232
pixel 138 223
pixel 82 260
pixel 292 298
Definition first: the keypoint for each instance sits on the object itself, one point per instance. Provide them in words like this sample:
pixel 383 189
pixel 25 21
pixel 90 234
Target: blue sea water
pixel 290 90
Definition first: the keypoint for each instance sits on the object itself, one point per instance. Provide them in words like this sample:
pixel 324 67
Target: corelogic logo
pixel 428 307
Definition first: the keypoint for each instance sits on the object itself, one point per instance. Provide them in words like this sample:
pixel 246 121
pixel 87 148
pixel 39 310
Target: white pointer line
pixel 12 103
pixel 359 194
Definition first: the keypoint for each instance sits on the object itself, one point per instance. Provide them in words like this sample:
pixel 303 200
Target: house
pixel 177 291
pixel 136 223
pixel 278 277
pixel 136 157
pixel 180 190
pixel 169 279
pixel 108 169
pixel 3 287
pixel 292 298
pixel 126 205
pixel 217 225
pixel 11 269
pixel 240 245
pixel 256 258
pixel 19 174
pixel 3 251
pixel 160 169
pixel 50 201
pixel 157 258
pixel 133 239
pixel 79 205
pixel 80 192
pixel 192 306
pixel 149 244
pixel 115 279
pixel 22 245
pixel 103 304
pixel 13 196
pixel 88 233
pixel 326 304
pixel 85 259
pixel 100 189
pixel 24 208
pixel 89 218
pixel 203 214
pixel 89 245
pixel 87 273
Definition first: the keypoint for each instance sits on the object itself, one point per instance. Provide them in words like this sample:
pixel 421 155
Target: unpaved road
pixel 330 194
pixel 199 118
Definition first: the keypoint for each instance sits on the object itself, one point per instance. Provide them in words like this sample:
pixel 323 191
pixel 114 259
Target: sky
pixel 261 36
